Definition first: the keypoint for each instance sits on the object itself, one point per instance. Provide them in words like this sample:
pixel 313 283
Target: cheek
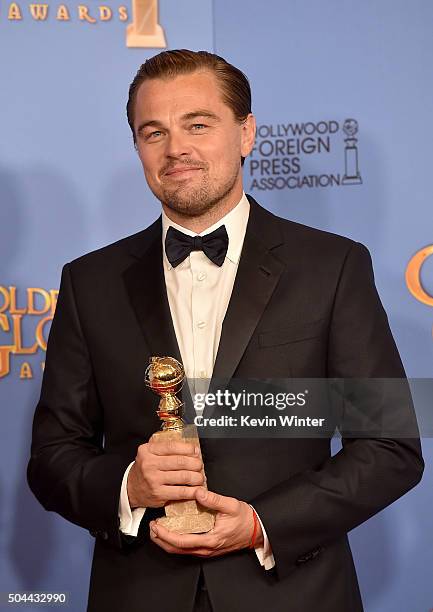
pixel 228 162
pixel 223 158
pixel 150 164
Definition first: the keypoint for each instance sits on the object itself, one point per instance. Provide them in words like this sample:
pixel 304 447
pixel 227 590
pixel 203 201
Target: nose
pixel 177 144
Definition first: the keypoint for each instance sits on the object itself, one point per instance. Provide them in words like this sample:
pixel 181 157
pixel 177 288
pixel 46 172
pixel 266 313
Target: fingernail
pixel 196 450
pixel 201 493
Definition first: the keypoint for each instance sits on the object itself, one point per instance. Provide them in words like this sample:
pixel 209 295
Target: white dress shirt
pixel 198 294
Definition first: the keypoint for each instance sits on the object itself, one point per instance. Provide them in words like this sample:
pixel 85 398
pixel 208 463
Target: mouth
pixel 180 172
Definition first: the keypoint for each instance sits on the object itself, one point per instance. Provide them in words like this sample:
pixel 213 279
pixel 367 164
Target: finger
pixel 180 462
pixel 213 501
pixel 173 447
pixel 183 541
pixel 205 553
pixel 177 492
pixel 201 552
pixel 167 547
pixel 182 477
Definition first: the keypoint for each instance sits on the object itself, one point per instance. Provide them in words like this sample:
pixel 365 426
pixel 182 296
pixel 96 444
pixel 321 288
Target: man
pixel 253 296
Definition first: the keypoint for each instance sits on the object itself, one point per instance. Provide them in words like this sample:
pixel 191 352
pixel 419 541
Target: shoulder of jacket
pixel 116 254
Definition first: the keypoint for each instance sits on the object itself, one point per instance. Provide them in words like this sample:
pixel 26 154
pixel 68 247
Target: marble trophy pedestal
pixel 185 516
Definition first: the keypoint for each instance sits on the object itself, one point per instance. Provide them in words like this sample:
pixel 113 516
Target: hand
pixel 164 471
pixel 234 524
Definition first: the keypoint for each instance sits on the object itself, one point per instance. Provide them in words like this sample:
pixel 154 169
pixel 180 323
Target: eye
pixel 198 126
pixel 148 135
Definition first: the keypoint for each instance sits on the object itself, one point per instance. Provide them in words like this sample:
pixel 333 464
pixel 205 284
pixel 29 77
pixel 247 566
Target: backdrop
pixel 342 92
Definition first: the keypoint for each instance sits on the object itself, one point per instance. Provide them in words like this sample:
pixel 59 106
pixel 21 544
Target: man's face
pixel 189 142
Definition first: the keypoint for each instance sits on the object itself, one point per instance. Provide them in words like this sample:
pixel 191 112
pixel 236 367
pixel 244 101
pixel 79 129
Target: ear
pixel 248 135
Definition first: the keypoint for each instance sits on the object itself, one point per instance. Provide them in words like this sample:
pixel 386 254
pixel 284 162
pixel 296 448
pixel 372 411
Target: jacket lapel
pixel 145 285
pixel 258 274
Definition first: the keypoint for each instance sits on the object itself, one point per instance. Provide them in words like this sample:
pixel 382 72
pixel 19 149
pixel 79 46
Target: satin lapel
pixel 145 285
pixel 258 274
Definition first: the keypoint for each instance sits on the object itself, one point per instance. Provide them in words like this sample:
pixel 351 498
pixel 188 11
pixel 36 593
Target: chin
pixel 188 206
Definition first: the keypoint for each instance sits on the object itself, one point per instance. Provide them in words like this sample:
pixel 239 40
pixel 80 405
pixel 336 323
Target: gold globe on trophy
pixel 165 376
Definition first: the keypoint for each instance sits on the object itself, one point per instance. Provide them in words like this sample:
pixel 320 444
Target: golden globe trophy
pixel 165 376
pixel 145 31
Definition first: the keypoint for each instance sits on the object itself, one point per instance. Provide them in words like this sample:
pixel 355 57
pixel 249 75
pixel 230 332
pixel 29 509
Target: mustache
pixel 191 163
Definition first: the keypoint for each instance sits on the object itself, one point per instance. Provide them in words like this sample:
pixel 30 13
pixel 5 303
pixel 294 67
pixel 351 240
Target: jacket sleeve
pixel 313 508
pixel 69 472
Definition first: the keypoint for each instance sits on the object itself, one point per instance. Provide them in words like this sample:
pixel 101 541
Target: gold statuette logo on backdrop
pixel 145 31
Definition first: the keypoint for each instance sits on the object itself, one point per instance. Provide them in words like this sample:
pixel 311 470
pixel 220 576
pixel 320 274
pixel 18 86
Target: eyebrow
pixel 186 117
pixel 200 113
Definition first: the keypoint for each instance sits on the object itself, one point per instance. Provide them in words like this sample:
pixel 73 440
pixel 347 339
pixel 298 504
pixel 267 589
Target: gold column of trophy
pixel 165 376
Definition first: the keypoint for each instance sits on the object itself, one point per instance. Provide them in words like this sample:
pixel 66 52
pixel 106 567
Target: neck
pixel 199 223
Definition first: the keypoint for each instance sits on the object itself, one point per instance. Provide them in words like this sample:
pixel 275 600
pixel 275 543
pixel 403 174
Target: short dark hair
pixel 235 88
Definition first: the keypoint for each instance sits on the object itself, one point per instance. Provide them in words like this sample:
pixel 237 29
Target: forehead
pixel 180 94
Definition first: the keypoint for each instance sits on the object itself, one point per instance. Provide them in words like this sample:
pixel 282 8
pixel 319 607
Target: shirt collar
pixel 236 225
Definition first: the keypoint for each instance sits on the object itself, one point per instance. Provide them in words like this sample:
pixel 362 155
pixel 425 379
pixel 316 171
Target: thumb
pixel 213 501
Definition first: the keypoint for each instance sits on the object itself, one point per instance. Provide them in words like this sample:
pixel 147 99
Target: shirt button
pixel 202 373
pixel 201 324
pixel 201 276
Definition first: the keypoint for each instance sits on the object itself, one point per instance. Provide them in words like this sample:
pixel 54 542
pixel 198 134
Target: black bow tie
pixel 179 245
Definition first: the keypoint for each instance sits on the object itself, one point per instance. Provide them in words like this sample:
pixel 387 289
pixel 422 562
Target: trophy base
pixel 189 523
pixel 351 180
pixel 185 516
pixel 155 40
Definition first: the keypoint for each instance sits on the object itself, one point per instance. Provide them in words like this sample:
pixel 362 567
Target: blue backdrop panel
pixel 342 93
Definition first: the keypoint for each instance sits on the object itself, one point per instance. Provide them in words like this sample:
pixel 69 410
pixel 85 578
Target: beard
pixel 195 198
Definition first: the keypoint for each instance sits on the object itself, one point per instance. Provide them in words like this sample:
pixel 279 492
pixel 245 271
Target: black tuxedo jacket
pixel 304 304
